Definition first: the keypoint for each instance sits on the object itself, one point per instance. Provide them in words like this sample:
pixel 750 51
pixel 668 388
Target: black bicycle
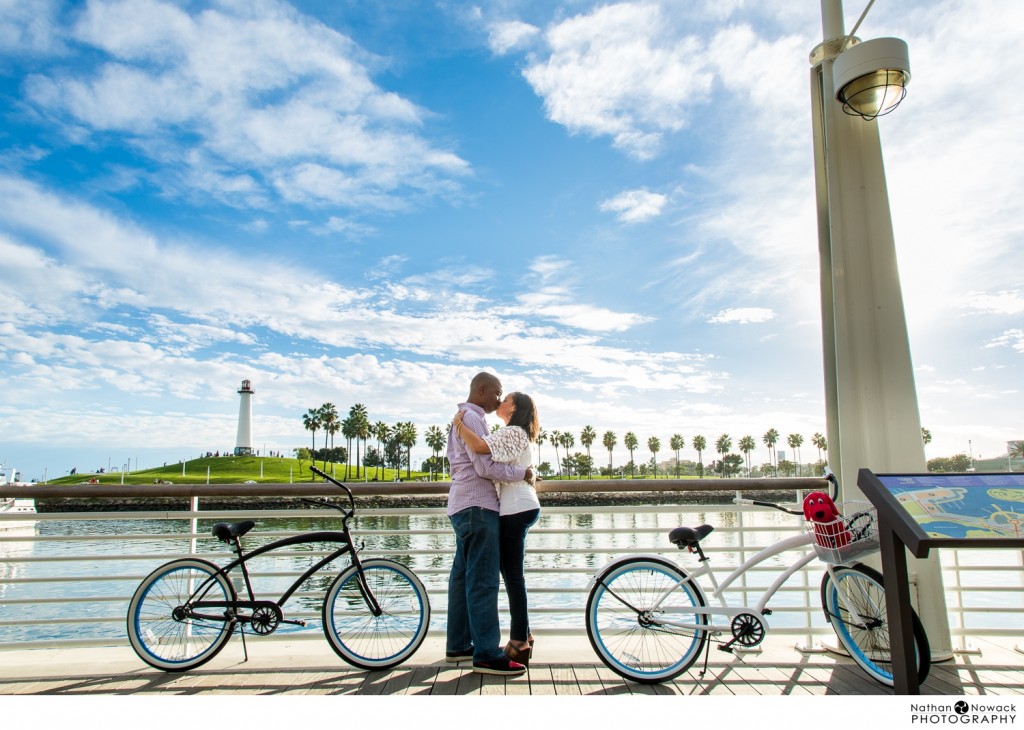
pixel 375 612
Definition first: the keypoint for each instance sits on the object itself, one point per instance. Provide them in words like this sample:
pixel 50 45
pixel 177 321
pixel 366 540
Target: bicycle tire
pixel 630 641
pixel 870 648
pixel 376 642
pixel 170 643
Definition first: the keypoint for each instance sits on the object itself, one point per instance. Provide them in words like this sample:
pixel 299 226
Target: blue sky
pixel 608 204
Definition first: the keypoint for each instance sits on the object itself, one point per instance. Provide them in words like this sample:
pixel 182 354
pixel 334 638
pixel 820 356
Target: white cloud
pixel 635 206
pixel 1011 338
pixel 237 87
pixel 1002 302
pixel 620 71
pixel 742 315
pixel 511 35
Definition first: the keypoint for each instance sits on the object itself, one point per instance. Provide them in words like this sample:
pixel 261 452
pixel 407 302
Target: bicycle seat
pixel 224 531
pixel 687 536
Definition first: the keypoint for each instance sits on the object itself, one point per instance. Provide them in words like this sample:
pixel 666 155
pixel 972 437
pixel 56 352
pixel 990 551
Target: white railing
pixel 67 580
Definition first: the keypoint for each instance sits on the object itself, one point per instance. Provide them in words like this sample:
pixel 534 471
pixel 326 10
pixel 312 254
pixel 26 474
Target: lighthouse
pixel 243 444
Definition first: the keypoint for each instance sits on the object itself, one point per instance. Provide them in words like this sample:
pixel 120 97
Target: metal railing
pixel 67 580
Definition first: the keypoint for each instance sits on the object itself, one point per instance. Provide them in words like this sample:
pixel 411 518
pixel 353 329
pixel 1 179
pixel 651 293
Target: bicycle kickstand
pixel 245 650
pixel 707 652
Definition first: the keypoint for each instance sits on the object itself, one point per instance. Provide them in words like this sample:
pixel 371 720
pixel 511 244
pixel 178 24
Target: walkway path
pixel 565 665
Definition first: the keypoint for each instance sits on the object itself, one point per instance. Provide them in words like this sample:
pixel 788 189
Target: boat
pixel 12 507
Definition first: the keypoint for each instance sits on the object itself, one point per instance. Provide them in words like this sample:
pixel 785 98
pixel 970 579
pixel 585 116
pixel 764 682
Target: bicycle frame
pixel 719 589
pixel 196 602
pixel 344 537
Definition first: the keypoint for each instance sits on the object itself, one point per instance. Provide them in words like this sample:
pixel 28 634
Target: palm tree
pixel 926 436
pixel 795 441
pixel 587 438
pixel 630 441
pixel 406 432
pixel 311 422
pixel 435 439
pixel 654 446
pixel 723 445
pixel 360 428
pixel 677 443
pixel 746 445
pixel 382 433
pixel 822 445
pixel 568 441
pixel 348 430
pixel 700 443
pixel 771 438
pixel 1015 450
pixel 328 414
pixel 556 440
pixel 332 429
pixel 609 441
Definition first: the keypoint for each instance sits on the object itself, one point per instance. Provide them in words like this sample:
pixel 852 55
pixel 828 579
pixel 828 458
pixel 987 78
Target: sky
pixel 610 205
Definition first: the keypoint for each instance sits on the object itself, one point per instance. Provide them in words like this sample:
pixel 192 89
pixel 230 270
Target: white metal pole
pixel 872 412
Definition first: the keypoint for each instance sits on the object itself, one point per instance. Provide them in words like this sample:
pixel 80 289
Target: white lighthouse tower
pixel 243 444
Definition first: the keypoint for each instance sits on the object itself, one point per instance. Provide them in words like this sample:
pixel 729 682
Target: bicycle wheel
pixel 160 633
pixel 867 641
pixel 631 635
pixel 376 642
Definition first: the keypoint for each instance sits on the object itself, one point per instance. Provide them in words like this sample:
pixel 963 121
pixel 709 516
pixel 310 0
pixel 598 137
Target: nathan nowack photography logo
pixel 963 712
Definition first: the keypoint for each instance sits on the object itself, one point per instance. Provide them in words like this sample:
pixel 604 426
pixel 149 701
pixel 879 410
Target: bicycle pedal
pixel 726 649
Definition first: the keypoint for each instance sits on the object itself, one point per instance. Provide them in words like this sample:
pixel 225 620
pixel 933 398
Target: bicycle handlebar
pixel 332 480
pixel 833 485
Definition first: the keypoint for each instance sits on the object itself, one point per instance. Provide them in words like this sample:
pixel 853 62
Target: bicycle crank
pixel 265 619
pixel 748 630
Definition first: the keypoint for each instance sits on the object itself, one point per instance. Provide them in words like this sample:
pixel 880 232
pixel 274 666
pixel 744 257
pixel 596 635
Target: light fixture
pixel 871 77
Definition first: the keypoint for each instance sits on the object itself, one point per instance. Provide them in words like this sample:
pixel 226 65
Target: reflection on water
pixel 564 549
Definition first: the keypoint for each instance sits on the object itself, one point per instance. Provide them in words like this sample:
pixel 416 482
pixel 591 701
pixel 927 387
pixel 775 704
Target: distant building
pixel 243 443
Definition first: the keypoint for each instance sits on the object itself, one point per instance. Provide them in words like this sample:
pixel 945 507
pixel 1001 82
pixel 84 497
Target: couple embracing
pixel 492 504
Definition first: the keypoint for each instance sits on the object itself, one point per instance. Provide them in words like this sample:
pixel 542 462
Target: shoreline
pixel 52 505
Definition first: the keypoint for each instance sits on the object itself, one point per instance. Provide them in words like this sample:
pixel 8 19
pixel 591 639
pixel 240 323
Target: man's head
pixel 485 391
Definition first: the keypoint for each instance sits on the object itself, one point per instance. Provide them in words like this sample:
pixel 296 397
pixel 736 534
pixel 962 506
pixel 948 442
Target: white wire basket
pixel 855 533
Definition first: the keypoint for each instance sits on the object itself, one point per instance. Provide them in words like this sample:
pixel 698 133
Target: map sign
pixel 961 506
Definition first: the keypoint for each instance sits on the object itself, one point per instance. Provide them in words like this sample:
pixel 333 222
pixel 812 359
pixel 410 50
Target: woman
pixel 519 507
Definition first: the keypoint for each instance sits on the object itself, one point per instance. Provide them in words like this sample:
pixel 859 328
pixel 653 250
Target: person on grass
pixel 519 507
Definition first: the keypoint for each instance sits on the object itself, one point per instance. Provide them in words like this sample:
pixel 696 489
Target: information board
pixel 968 506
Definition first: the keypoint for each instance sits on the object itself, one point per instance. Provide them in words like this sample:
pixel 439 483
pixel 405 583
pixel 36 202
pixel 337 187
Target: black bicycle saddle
pixel 224 531
pixel 687 536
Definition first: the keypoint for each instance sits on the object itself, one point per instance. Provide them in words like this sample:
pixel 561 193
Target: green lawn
pixel 233 470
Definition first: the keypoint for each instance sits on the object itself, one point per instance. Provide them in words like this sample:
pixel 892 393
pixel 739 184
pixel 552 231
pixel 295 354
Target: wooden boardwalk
pixel 564 666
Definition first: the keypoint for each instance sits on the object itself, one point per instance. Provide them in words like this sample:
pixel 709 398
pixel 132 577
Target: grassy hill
pixel 232 470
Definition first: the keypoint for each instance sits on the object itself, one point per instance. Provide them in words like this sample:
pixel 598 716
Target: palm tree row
pixel 723 446
pixel 357 429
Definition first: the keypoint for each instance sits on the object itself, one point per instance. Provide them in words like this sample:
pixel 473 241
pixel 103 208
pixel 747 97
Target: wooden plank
pixel 519 685
pixel 492 684
pixel 563 680
pixel 421 680
pixel 541 681
pixel 612 682
pixel 339 682
pixel 446 681
pixel 588 680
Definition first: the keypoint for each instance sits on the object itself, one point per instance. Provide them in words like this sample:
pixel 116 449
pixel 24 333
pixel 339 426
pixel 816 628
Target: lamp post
pixel 871 399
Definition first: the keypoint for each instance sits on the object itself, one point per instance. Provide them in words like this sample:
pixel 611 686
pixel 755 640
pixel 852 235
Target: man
pixel 473 630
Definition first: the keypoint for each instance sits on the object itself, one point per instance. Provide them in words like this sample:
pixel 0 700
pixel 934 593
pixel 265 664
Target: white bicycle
pixel 648 618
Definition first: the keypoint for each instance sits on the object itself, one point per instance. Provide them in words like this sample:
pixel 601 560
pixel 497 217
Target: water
pixel 122 552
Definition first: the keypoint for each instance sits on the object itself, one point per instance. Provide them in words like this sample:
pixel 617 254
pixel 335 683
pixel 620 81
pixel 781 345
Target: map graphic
pixel 962 505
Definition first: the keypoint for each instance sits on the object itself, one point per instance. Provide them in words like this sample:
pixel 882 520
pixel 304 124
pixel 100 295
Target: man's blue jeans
pixel 473 585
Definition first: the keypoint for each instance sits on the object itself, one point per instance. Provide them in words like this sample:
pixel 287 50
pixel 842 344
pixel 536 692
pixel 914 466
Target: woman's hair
pixel 525 415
